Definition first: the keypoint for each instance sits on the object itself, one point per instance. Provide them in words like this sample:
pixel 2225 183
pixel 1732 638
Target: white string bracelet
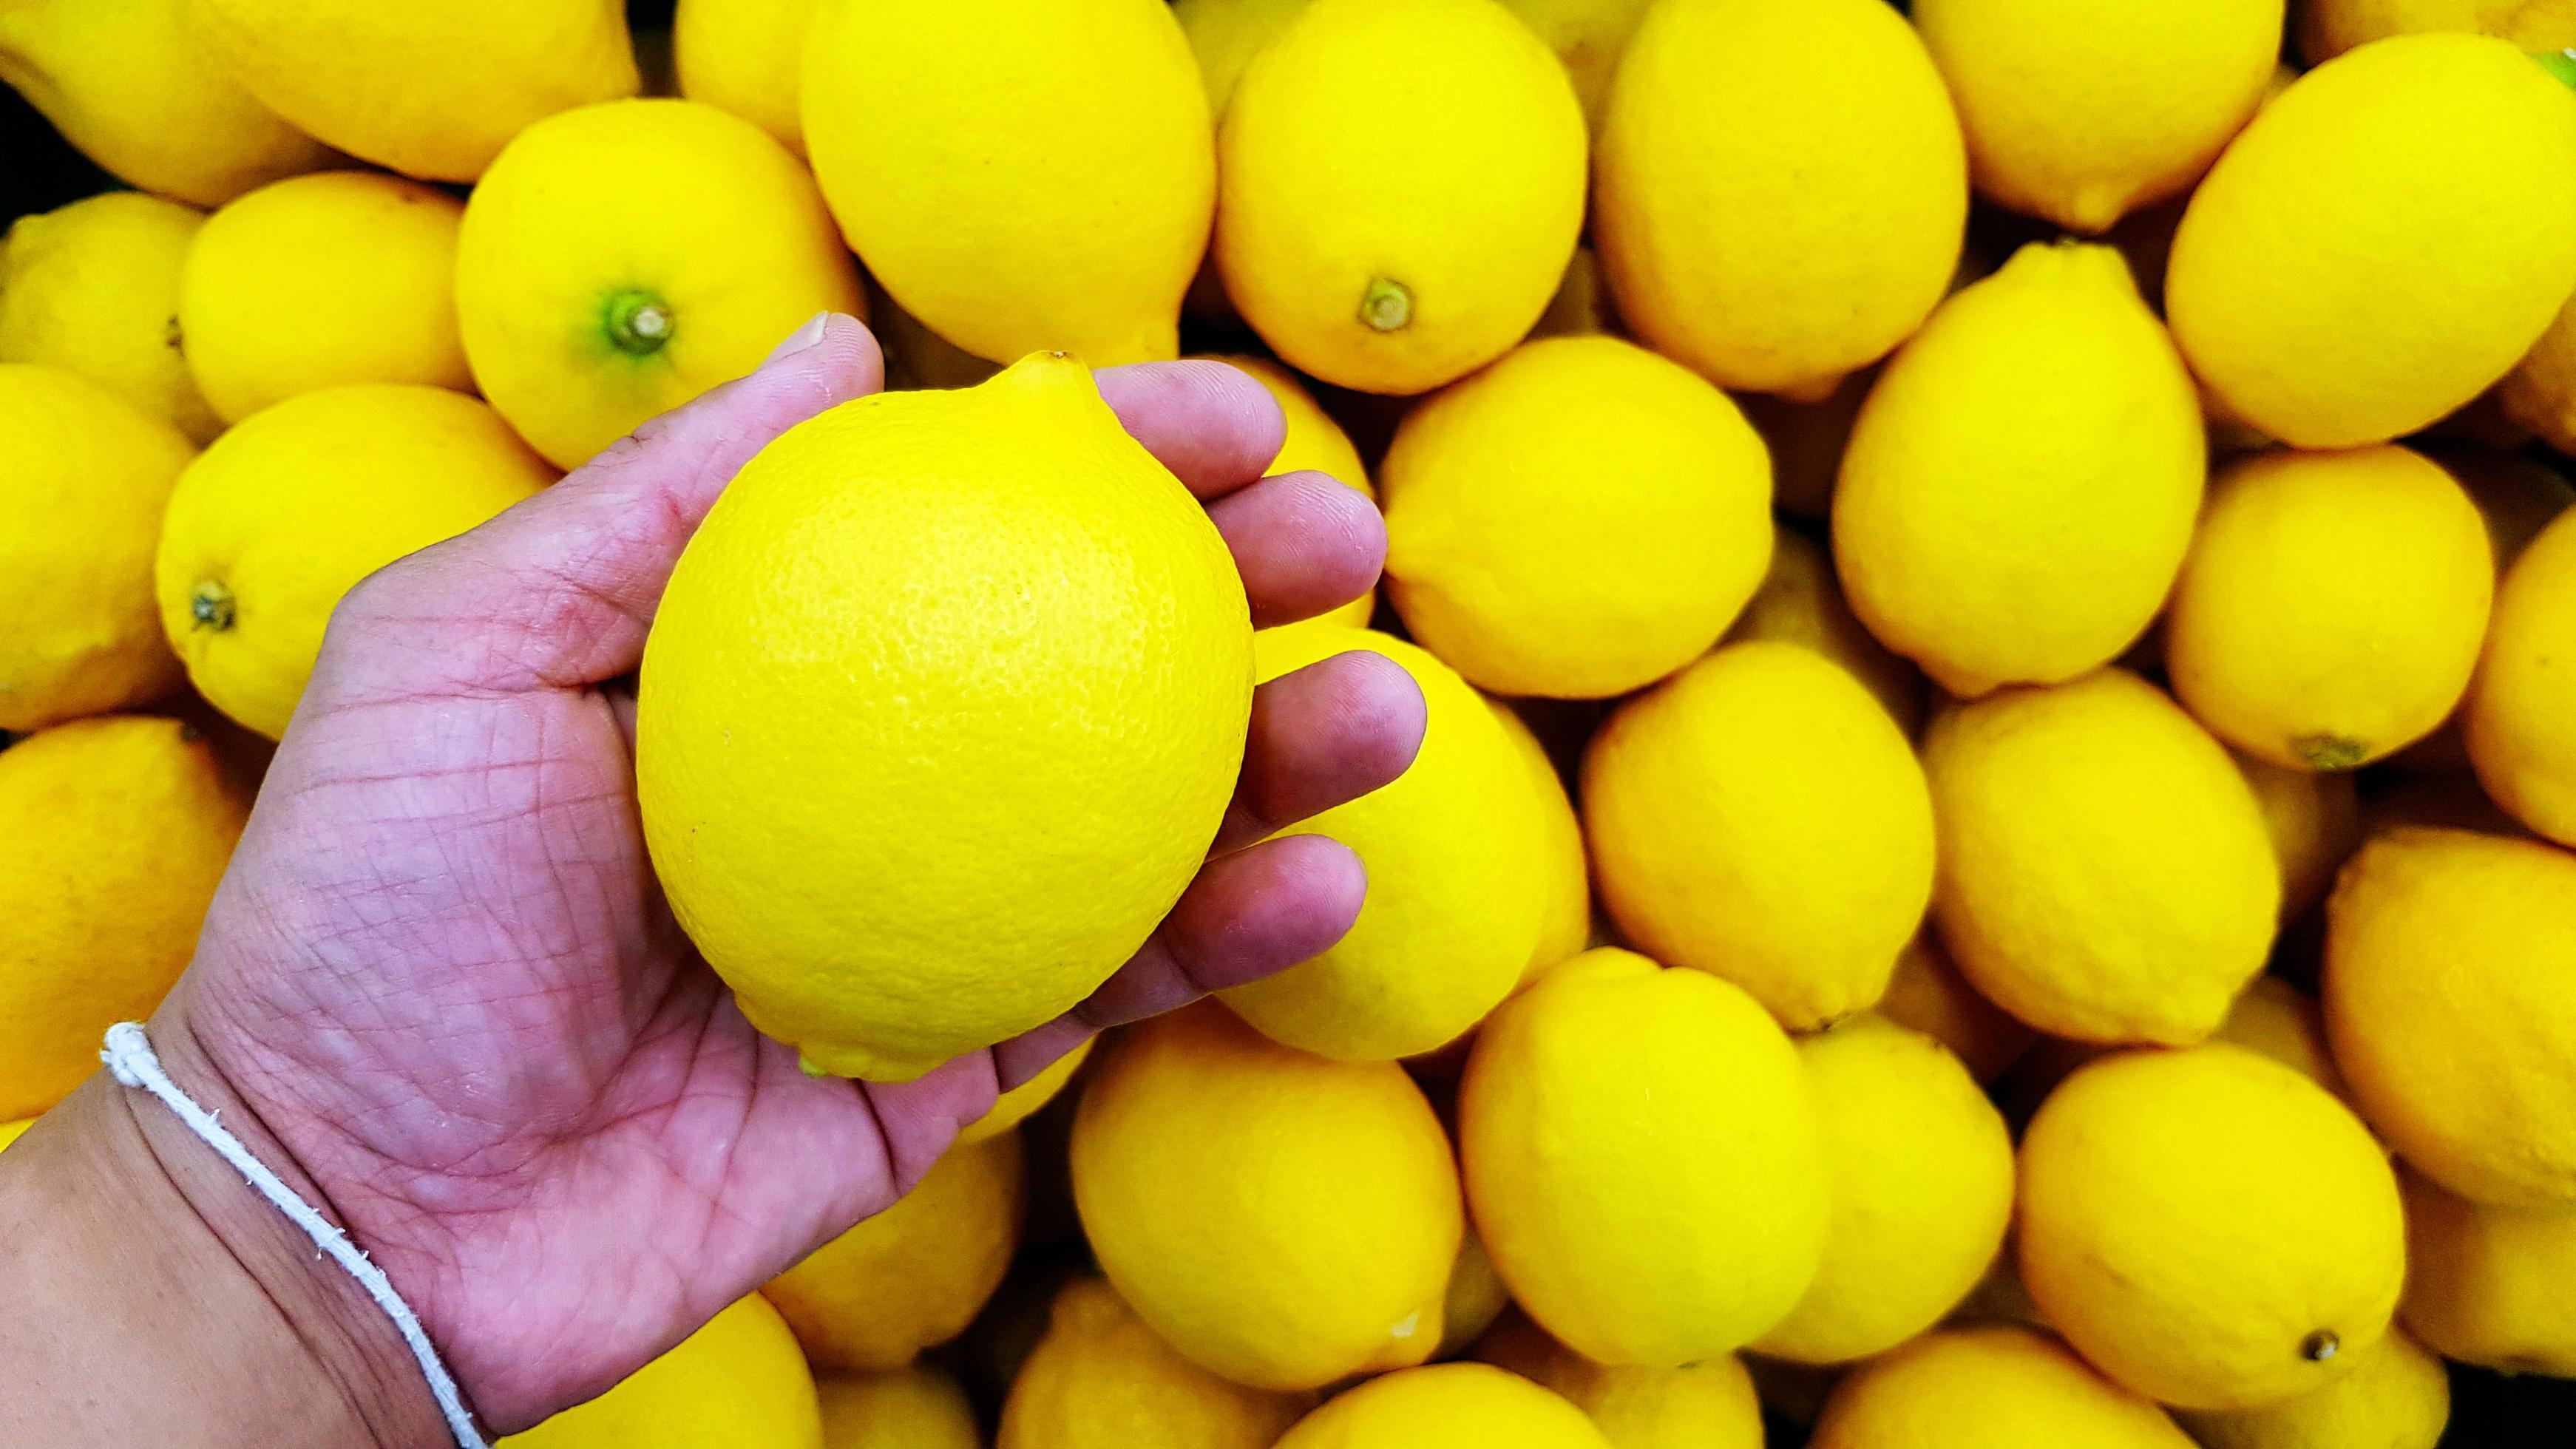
pixel 130 1060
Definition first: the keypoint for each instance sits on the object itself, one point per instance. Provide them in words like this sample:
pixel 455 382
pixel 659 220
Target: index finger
pixel 1212 425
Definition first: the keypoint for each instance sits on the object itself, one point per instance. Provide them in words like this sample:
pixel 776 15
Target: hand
pixel 440 976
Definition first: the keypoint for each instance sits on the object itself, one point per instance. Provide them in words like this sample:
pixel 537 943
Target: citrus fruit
pixel 747 57
pixel 2525 691
pixel 1589 36
pixel 1226 34
pixel 914 1408
pixel 2278 1020
pixel 1801 602
pixel 2314 817
pixel 1313 443
pixel 93 288
pixel 2328 28
pixel 737 1383
pixel 1023 1101
pixel 1565 901
pixel 1927 994
pixel 1705 1405
pixel 1446 1406
pixel 1996 1387
pixel 2395 1396
pixel 2488 1285
pixel 1100 1379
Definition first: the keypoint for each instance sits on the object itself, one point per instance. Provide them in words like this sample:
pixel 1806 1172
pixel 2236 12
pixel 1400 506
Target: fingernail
pixel 802 338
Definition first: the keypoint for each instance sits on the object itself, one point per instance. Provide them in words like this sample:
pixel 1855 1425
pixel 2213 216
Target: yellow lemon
pixel 1643 1156
pixel 1453 850
pixel 113 832
pixel 1927 994
pixel 1477 1295
pixel 2105 873
pixel 737 1383
pixel 2540 392
pixel 1401 184
pixel 2208 1226
pixel 1226 34
pixel 89 474
pixel 747 57
pixel 2488 1285
pixel 1565 902
pixel 93 288
pixel 1807 439
pixel 316 281
pixel 2370 253
pixel 2447 958
pixel 1578 520
pixel 1582 305
pixel 1589 36
pixel 1023 1101
pixel 912 1409
pixel 2020 487
pixel 1315 443
pixel 432 91
pixel 2286 1024
pixel 12 1131
pixel 2082 113
pixel 916 1274
pixel 1100 1379
pixel 1019 174
pixel 1782 188
pixel 1997 1387
pixel 2328 28
pixel 1280 1219
pixel 1758 816
pixel 2332 606
pixel 2525 692
pixel 2395 1396
pixel 2314 818
pixel 1922 1171
pixel 1446 1406
pixel 1705 1405
pixel 288 510
pixel 621 259
pixel 134 86
pixel 1801 602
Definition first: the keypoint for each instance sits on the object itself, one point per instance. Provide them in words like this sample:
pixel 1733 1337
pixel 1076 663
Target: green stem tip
pixel 210 606
pixel 1387 305
pixel 2560 63
pixel 638 321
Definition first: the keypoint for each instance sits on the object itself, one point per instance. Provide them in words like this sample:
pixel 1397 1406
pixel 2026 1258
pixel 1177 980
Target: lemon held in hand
pixel 737 1383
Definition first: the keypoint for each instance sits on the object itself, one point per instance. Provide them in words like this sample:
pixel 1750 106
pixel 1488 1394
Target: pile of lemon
pixel 2018 552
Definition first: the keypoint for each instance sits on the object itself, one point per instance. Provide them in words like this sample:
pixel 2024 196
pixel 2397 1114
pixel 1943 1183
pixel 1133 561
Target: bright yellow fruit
pixel 1927 994
pixel 747 57
pixel 1807 440
pixel 737 1383
pixel 1455 854
pixel 2105 872
pixel 1100 1379
pixel 2370 253
pixel 1023 1101
pixel 1644 1159
pixel 2208 1226
pixel 2525 694
pixel 1590 37
pixel 322 280
pixel 2488 1285
pixel 133 86
pixel 1922 1172
pixel 1226 34
pixel 1401 184
pixel 113 832
pixel 2395 1396
pixel 2082 113
pixel 1019 174
pixel 1578 520
pixel 2328 28
pixel 1446 1406
pixel 11 1131
pixel 93 288
pixel 2448 955
pixel 1582 305
pixel 432 91
pixel 2540 392
pixel 1477 1294
pixel 1998 1387
pixel 1565 899
pixel 1706 1405
pixel 1314 443
pixel 1759 817
pixel 2314 818
pixel 1280 1219
pixel 288 510
pixel 1782 188
pixel 1801 602
pixel 89 473
pixel 915 1408
pixel 2021 485
pixel 916 1274
pixel 2332 606
pixel 619 260
pixel 2278 1020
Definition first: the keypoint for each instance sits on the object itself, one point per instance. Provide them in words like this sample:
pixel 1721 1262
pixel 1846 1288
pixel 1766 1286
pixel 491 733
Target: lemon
pixel 2208 1226
pixel 912 1409
pixel 113 832
pixel 2447 957
pixel 2105 872
pixel 1454 854
pixel 1997 1387
pixel 2540 393
pixel 2020 487
pixel 1927 994
pixel 1582 305
pixel 93 288
pixel 1922 1172
pixel 1782 188
pixel 11 1131
pixel 737 1383
pixel 2517 495
pixel 2488 1285
pixel 1578 520
pixel 1807 441
pixel 1477 1295
pixel 2328 28
pixel 1314 442
pixel 916 1274
pixel 1758 816
pixel 1705 1405
pixel 270 526
pixel 1589 36
pixel 1023 1101
pixel 1801 602
pixel 1565 879
pixel 2525 692
pixel 2395 1396
pixel 1643 1156
pixel 1226 34
pixel 89 474
pixel 1280 1219
pixel 317 281
pixel 2332 606
pixel 1446 1406
pixel 432 91
pixel 2370 254
pixel 1019 174
pixel 618 260
pixel 2084 113
pixel 747 57
pixel 2286 1024
pixel 1100 1379
pixel 2314 818
pixel 134 87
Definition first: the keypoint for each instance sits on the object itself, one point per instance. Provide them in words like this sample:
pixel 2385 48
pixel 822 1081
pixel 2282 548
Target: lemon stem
pixel 210 606
pixel 2320 1345
pixel 2330 752
pixel 638 321
pixel 2560 63
pixel 1387 305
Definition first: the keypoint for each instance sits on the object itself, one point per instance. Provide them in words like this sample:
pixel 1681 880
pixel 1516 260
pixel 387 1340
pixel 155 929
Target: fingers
pixel 920 1118
pixel 1303 543
pixel 1322 735
pixel 1212 425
